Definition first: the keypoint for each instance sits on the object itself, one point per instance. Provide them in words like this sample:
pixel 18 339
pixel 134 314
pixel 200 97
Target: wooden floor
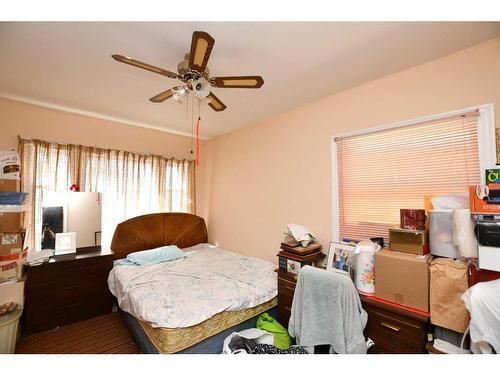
pixel 106 334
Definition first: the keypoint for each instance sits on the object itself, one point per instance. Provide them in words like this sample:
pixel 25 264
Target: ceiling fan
pixel 193 72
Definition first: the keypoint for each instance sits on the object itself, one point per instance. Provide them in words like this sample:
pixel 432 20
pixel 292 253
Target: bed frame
pixel 162 229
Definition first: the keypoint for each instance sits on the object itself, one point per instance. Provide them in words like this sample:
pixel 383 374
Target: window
pixel 131 184
pixel 380 171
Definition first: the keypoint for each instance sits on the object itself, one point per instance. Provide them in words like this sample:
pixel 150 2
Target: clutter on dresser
pixel 340 258
pixel 292 262
pixel 411 241
pixel 412 218
pixel 299 248
pixel 298 234
pixel 363 263
pixel 35 258
pixel 448 282
pixel 485 210
pixel 403 278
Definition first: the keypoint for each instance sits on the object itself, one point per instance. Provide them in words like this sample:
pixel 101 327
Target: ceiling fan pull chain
pixel 198 142
pixel 192 122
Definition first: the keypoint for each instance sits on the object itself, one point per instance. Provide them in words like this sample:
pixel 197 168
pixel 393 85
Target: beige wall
pixel 33 121
pixel 278 171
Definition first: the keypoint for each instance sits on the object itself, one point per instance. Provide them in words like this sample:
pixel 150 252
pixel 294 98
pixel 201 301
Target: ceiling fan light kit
pixel 194 73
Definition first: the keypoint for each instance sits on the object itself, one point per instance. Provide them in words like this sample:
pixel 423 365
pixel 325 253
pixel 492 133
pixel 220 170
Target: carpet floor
pixel 105 334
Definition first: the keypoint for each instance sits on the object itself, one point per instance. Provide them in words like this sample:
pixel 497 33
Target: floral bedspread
pixel 187 291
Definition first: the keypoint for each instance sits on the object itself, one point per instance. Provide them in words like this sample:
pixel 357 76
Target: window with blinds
pixel 380 172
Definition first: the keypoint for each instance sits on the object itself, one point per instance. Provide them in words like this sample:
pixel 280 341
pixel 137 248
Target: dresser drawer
pixel 286 287
pixel 393 333
pixel 51 299
pixel 67 290
pixel 284 308
pixel 52 275
pixel 36 320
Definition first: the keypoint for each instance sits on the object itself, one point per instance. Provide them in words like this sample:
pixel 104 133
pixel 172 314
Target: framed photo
pixel 338 257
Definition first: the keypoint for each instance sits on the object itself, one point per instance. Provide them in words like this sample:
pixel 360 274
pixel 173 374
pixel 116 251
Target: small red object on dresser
pixel 477 275
pixel 412 218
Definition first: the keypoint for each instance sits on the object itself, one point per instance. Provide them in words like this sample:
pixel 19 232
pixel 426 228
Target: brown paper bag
pixel 448 283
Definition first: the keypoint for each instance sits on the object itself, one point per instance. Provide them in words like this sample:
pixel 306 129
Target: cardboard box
pixel 11 243
pixel 7 186
pixel 11 222
pixel 11 266
pixel 402 278
pixel 10 165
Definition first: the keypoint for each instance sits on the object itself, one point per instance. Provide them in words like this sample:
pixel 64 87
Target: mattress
pixel 173 340
pixel 209 283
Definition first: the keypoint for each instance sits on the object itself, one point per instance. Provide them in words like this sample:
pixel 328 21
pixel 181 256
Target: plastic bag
pixel 463 233
pixel 450 202
pixel 261 336
pixel 282 339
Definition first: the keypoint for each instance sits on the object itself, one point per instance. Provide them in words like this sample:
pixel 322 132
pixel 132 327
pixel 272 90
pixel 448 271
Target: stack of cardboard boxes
pixel 12 233
pixel 402 271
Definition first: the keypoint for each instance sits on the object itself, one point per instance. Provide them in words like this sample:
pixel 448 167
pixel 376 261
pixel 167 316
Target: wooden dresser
pixel 393 330
pixel 67 289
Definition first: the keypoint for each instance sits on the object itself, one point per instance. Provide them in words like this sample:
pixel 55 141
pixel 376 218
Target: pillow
pixel 123 262
pixel 158 255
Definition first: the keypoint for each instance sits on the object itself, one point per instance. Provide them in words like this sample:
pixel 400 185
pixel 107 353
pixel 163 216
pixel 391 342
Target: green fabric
pixel 282 339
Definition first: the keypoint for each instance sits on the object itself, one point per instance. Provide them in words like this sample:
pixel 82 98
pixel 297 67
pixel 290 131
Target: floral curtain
pixel 131 184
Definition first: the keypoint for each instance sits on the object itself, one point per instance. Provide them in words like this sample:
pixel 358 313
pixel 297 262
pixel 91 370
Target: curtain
pixel 131 184
pixel 381 172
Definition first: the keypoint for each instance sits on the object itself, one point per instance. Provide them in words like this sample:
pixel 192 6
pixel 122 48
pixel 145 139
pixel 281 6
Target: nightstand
pixel 67 289
pixel 286 288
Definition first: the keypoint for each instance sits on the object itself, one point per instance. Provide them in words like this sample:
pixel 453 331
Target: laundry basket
pixel 8 331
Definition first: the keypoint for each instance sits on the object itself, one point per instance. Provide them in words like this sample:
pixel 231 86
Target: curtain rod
pixel 20 138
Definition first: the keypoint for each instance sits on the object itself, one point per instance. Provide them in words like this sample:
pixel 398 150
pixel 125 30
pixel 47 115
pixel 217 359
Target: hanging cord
pixel 463 339
pixel 198 134
pixel 192 125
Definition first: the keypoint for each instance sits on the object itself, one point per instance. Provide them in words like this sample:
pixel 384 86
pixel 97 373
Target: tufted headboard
pixel 155 230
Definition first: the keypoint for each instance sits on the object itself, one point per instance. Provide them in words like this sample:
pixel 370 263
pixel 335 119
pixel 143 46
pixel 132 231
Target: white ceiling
pixel 69 64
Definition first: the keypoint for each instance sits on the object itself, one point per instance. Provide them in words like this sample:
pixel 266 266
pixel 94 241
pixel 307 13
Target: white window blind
pixel 381 172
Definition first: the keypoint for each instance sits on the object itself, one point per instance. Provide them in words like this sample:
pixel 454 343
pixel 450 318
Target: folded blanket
pixel 326 310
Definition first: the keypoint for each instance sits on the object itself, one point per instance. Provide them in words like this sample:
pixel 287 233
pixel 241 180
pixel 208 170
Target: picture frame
pixel 338 256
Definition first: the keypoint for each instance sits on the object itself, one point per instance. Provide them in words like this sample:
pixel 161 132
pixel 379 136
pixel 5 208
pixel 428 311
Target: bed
pixel 188 305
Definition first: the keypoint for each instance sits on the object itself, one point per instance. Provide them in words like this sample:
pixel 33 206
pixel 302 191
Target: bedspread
pixel 187 291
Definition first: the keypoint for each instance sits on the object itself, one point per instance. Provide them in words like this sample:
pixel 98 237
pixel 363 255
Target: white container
pixel 364 267
pixel 12 292
pixel 8 331
pixel 441 235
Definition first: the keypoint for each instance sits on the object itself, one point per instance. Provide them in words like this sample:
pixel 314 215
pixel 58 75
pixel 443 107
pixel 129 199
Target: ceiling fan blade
pixel 162 96
pixel 215 103
pixel 243 82
pixel 139 64
pixel 201 47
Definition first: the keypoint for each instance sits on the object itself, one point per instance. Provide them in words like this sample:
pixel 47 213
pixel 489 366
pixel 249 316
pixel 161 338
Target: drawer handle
pixel 72 305
pixel 289 288
pixel 71 287
pixel 390 326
